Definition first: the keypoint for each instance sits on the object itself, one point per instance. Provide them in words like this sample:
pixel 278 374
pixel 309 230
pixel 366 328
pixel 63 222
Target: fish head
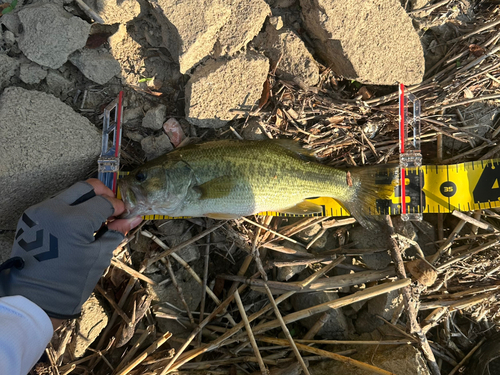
pixel 155 189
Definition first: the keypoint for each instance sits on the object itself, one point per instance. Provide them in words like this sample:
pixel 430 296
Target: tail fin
pixel 371 183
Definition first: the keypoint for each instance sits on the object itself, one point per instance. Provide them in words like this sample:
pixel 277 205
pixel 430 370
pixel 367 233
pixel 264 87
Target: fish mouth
pixel 130 198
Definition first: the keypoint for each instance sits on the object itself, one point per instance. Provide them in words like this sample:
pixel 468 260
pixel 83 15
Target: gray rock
pixel 190 289
pixel 97 65
pixel 9 67
pixel 188 253
pixel 401 360
pixel 9 38
pixel 221 86
pixel 253 131
pixel 479 115
pixel 308 234
pixel 352 38
pixel 434 50
pixel 175 227
pixel 155 117
pixel 282 3
pixel 58 84
pixel 155 146
pixel 32 73
pixel 366 239
pixel 286 273
pixel 134 136
pixel 366 322
pixel 46 147
pixel 43 28
pixel 115 11
pixel 88 327
pixel 336 326
pixel 295 62
pixel 129 53
pixel 12 22
pixel 6 242
pixel 416 4
pixel 276 22
pixel 132 115
pixel 426 237
pixel 190 42
pixel 386 305
pixel 245 22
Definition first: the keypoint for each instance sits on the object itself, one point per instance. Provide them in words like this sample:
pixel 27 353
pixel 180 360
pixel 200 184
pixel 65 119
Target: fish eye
pixel 140 176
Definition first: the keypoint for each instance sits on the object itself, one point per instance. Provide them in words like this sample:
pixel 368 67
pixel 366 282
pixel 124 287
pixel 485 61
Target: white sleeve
pixel 25 331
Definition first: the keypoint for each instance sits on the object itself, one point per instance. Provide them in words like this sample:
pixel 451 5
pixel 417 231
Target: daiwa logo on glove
pixel 38 242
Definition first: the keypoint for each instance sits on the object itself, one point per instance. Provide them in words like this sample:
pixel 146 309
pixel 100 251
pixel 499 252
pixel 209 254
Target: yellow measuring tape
pixel 464 187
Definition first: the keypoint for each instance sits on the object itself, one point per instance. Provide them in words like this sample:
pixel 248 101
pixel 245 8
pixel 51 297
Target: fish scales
pixel 229 179
pixel 267 177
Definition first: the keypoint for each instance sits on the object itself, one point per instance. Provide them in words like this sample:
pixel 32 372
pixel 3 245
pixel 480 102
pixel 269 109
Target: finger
pixel 100 188
pixel 118 205
pixel 125 225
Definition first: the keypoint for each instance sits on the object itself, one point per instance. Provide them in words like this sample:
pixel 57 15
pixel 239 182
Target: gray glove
pixel 58 257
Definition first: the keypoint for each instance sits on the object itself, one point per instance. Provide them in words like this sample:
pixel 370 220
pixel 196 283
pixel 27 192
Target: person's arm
pixel 62 247
pixel 25 331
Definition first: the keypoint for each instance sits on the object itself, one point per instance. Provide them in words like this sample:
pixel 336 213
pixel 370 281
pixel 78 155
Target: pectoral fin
pixel 303 208
pixel 219 187
pixel 222 216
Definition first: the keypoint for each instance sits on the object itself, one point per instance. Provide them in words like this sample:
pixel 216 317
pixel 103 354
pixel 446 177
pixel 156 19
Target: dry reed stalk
pixel 316 327
pixel 462 362
pixel 206 256
pixel 301 225
pixel 69 370
pixel 184 244
pixel 456 305
pixel 64 342
pixel 287 250
pixel 477 216
pixel 214 313
pixel 473 221
pixel 188 268
pixel 341 302
pixel 349 342
pixel 256 282
pixel 119 264
pixel 222 340
pixel 150 350
pixel 277 313
pixel 241 308
pixel 171 272
pixel 324 353
pixel 408 299
pixel 114 317
pixel 339 281
pixel 304 262
pixel 270 230
pixel 433 258
pixel 316 237
pixel 467 254
pixel 115 306
pixel 149 330
pixel 205 365
pixel 243 269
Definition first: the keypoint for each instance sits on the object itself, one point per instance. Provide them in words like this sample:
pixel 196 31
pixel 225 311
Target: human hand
pixel 64 248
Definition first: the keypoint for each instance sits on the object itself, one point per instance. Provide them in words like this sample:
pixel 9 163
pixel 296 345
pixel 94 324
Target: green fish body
pixel 229 179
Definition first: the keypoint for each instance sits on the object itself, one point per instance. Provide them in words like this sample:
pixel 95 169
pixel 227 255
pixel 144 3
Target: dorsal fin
pixel 295 147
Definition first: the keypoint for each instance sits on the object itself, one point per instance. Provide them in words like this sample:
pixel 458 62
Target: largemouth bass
pixel 229 179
